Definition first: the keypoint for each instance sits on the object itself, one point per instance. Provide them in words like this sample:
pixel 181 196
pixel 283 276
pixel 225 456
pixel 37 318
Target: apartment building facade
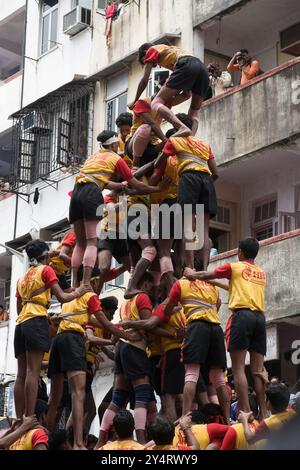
pixel 66 85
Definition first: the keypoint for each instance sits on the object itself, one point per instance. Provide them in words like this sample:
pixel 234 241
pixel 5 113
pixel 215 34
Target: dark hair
pixel 244 51
pixel 147 277
pixel 212 413
pixel 124 119
pixel 109 303
pixel 185 119
pixel 41 407
pixel 170 132
pixel 142 51
pixel 250 247
pixel 57 439
pixel 253 404
pixel 105 135
pixel 279 396
pixel 35 248
pixel 162 431
pixel 1 306
pixel 198 417
pixel 124 424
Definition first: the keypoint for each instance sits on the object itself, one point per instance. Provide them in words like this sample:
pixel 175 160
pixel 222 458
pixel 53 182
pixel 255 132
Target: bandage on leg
pixel 90 256
pixel 107 420
pixel 149 253
pixel 140 418
pixel 120 398
pixel 166 265
pixel 216 378
pixel 77 256
pixel 192 372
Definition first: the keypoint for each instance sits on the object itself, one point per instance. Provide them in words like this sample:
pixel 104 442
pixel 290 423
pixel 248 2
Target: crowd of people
pixel 168 348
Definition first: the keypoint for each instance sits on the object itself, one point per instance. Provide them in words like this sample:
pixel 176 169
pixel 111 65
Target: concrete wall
pixel 10 93
pixel 253 118
pixel 282 292
pixel 8 7
pixel 208 9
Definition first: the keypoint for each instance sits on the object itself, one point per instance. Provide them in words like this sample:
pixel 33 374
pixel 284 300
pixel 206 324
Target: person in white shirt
pixel 219 81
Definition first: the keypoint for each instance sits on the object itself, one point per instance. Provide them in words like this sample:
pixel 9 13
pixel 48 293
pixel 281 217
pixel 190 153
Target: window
pixel 115 283
pixel 222 228
pixel 264 218
pixel 158 77
pixel 49 25
pixel 116 99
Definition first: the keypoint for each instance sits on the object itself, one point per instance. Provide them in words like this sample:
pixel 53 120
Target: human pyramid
pixel 169 342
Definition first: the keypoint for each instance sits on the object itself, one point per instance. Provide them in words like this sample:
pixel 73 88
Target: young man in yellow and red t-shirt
pixel 246 327
pixel 61 259
pixel 189 75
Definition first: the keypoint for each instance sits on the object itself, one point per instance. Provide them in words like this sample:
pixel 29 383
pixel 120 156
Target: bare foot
pixel 183 131
pixel 75 447
pixel 131 293
pixel 263 375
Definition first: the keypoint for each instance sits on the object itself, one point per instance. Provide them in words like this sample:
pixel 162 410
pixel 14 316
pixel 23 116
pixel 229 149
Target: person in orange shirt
pixel 124 123
pixel 99 171
pixel 246 327
pixel 242 62
pixel 3 314
pixel 189 75
pixel 61 259
pixel 123 424
pixel 68 356
pixel 31 338
pixel 197 172
pixel 162 433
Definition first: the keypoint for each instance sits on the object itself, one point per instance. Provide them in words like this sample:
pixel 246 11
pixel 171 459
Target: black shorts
pixel 131 362
pixel 246 329
pixel 190 74
pixel 155 375
pixel 118 248
pixel 172 225
pixel 64 284
pixel 172 373
pixel 67 353
pixel 150 153
pixel 85 200
pixel 197 187
pixel 32 335
pixel 204 344
pixel 89 378
pixel 108 396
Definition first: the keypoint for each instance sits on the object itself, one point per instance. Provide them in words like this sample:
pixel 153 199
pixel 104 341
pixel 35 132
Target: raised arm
pixel 95 339
pixel 148 119
pixel 143 84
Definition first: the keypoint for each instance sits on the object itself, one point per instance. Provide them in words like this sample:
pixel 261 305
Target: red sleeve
pixel 143 302
pixel 90 327
pixel 262 432
pixel 94 304
pixel 123 169
pixel 223 272
pixel 151 56
pixel 140 107
pixel 175 294
pixel 160 170
pixel 39 437
pixel 227 434
pixel 159 312
pixel 109 198
pixel 169 148
pixel 69 240
pixel 211 154
pixel 49 277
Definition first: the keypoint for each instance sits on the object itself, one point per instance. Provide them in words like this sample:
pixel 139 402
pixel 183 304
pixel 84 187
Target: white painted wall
pixel 58 66
pixel 10 6
pixel 10 94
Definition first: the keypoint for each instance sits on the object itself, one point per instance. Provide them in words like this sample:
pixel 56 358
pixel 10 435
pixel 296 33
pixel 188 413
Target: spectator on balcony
pixel 241 61
pixel 124 123
pixel 3 314
pixel 219 81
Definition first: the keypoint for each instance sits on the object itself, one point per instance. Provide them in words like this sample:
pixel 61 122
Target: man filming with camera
pixel 241 61
pixel 219 81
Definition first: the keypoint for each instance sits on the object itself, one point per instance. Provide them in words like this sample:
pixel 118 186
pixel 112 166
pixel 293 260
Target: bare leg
pixel 139 407
pixel 206 247
pixel 189 222
pixel 104 264
pixel 78 253
pixel 77 383
pixel 257 368
pixel 165 95
pixel 19 386
pixel 139 142
pixel 194 111
pixel 34 362
pixel 90 410
pixel 142 265
pixel 178 258
pixel 57 385
pixel 90 254
pixel 190 386
pixel 170 407
pixel 240 379
pixel 164 251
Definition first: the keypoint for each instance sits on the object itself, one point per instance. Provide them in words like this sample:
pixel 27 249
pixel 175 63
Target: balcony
pixel 278 256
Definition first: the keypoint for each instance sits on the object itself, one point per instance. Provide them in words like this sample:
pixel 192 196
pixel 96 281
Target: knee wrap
pixel 149 253
pixel 142 393
pixel 144 131
pixel 166 265
pixel 120 397
pixel 156 104
pixel 216 377
pixel 192 372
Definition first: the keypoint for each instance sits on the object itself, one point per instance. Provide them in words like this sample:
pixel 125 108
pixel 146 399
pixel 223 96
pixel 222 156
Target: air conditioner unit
pixel 290 40
pixel 76 20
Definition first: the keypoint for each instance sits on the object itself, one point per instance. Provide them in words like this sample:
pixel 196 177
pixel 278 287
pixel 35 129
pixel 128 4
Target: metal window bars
pixel 52 136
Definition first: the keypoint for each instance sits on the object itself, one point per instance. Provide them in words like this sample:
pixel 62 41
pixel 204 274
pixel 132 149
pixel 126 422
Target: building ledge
pixel 11 78
pixel 253 81
pixel 268 241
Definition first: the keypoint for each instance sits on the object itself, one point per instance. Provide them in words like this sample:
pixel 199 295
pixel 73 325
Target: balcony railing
pixel 278 256
pixel 261 113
